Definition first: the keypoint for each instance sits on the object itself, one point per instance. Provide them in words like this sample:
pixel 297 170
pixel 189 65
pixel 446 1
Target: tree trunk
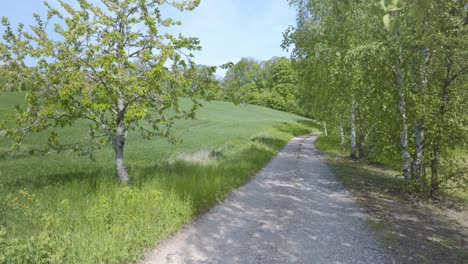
pixel 342 139
pixel 400 79
pixel 353 132
pixel 417 167
pixel 119 160
pixel 325 129
pixel 404 137
pixel 119 144
pixel 403 119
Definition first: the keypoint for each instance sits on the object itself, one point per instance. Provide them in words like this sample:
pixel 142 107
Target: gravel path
pixel 292 211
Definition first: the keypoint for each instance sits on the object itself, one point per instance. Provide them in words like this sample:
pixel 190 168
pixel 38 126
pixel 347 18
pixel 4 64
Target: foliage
pixel 243 80
pixel 272 83
pixel 112 64
pixel 393 74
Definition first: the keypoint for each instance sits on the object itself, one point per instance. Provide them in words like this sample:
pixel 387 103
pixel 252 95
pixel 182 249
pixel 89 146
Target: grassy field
pixel 68 209
pixel 415 230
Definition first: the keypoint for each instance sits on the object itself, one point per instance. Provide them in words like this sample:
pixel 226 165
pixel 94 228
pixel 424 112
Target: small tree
pixel 112 63
pixel 284 83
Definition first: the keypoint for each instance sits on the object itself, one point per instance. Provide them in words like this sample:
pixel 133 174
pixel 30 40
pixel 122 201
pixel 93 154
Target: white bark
pixel 325 129
pixel 403 123
pixel 400 78
pixel 353 131
pixel 418 169
pixel 342 139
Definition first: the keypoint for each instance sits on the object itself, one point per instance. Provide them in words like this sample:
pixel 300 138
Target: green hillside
pixel 66 208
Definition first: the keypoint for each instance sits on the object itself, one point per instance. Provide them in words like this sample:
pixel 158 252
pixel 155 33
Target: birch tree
pixel 393 74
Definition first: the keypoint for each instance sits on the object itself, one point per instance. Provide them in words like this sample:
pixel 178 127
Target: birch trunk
pixel 353 132
pixel 400 78
pixel 342 139
pixel 403 127
pixel 418 169
pixel 119 144
pixel 325 129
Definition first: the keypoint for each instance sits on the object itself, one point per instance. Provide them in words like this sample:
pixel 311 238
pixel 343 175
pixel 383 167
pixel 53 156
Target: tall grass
pixel 68 209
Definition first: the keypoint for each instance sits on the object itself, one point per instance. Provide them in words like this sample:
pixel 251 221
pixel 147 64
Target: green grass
pixel 330 146
pixel 68 209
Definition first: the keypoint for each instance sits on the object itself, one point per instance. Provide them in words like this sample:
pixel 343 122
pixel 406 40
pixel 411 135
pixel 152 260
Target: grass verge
pixel 416 231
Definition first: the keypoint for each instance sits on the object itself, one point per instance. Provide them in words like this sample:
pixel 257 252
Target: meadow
pixel 67 208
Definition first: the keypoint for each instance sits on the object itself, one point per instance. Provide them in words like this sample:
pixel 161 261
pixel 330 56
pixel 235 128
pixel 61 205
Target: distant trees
pixel 394 75
pixel 272 83
pixel 111 63
pixel 243 81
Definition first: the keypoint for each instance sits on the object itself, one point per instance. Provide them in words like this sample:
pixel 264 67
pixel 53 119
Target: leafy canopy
pixel 112 63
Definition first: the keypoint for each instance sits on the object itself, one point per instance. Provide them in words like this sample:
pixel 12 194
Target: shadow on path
pixel 292 211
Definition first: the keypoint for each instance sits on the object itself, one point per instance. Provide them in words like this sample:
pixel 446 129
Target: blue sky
pixel 228 29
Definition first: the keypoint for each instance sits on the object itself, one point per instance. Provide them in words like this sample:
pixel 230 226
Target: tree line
pixel 272 83
pixel 390 78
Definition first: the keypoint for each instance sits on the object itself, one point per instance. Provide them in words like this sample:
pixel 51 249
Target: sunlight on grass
pixel 68 209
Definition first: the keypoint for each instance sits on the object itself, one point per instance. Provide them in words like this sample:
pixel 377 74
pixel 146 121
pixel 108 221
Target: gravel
pixel 293 211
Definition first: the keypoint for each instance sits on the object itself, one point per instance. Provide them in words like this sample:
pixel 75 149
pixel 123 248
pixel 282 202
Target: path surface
pixel 292 211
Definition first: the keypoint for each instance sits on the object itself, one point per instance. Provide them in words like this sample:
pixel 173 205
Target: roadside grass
pixel 68 209
pixel 415 230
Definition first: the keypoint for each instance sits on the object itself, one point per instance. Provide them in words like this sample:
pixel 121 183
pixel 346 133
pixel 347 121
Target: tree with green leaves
pixel 387 71
pixel 284 84
pixel 426 32
pixel 244 80
pixel 445 76
pixel 88 61
pixel 271 83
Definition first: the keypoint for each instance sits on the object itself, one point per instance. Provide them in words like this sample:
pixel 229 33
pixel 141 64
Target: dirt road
pixel 292 211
